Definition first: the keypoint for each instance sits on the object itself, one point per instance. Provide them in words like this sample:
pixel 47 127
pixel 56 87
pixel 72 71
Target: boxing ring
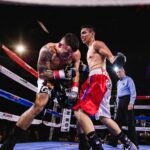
pixel 27 103
pixel 24 102
pixel 62 146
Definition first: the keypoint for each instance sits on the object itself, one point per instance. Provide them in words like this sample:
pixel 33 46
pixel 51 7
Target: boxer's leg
pixel 26 119
pixel 116 131
pixel 88 128
pixel 83 140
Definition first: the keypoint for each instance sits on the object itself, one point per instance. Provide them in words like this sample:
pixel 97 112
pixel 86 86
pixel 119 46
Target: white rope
pixel 11 117
pixel 138 128
pixel 142 106
pixel 18 79
pixel 14 118
pixel 137 106
pixel 80 2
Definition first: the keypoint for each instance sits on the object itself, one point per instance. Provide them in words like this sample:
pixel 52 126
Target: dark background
pixel 124 29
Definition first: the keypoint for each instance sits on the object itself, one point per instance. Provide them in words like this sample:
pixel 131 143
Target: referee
pixel 126 95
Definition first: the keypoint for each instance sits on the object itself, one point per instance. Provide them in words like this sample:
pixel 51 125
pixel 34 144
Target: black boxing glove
pixel 66 99
pixel 70 73
pixel 61 98
pixel 72 98
pixel 65 74
pixel 60 95
pixel 119 59
pixel 83 67
pixel 73 94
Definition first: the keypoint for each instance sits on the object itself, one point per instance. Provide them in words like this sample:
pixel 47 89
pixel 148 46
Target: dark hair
pixel 88 26
pixel 72 40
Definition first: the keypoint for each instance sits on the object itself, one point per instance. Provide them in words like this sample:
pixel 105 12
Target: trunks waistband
pixel 98 71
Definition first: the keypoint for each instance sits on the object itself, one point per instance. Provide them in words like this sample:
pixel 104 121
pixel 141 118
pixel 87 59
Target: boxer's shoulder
pixel 76 55
pixel 52 47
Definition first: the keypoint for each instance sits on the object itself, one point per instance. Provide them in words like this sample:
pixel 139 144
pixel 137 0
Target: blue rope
pixel 27 103
pixel 142 118
pixel 24 102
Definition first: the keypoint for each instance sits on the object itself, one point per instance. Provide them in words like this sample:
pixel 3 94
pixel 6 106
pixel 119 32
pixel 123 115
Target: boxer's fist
pixel 72 98
pixel 60 95
pixel 70 73
pixel 66 74
pixel 83 67
pixel 119 59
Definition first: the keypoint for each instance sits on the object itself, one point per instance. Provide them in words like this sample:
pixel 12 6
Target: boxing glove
pixel 66 74
pixel 73 94
pixel 119 59
pixel 83 67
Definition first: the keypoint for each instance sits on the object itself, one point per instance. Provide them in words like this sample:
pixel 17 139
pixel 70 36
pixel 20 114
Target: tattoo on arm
pixel 44 61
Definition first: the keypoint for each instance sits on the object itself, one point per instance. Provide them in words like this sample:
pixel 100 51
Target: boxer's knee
pixel 77 114
pixel 111 125
pixel 80 116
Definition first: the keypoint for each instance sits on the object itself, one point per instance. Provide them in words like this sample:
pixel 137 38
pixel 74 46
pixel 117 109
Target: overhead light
pixel 20 48
pixel 115 68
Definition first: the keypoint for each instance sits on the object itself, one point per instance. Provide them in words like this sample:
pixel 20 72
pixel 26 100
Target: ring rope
pixel 18 79
pixel 142 107
pixel 12 117
pixel 136 106
pixel 19 61
pixel 27 103
pixel 143 97
pixel 22 101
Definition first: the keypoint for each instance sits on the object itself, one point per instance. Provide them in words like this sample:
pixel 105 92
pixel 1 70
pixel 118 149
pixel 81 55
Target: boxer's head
pixel 87 34
pixel 68 44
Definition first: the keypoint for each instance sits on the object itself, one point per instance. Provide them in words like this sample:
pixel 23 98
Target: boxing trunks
pixel 58 92
pixel 95 94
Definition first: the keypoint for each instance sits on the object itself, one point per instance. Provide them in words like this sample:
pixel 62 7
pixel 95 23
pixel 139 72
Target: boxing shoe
pixel 15 135
pixel 94 141
pixel 83 142
pixel 84 145
pixel 97 145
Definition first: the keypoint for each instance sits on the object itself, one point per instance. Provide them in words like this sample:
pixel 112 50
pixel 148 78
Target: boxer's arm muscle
pixel 77 64
pixel 44 62
pixel 102 48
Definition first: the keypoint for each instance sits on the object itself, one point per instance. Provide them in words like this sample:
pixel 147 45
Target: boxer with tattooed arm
pixel 57 62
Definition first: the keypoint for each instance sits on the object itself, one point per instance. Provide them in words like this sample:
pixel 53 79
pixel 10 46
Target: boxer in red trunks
pixel 95 92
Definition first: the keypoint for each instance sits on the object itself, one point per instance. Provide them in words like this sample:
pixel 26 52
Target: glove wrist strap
pixel 59 74
pixel 75 87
